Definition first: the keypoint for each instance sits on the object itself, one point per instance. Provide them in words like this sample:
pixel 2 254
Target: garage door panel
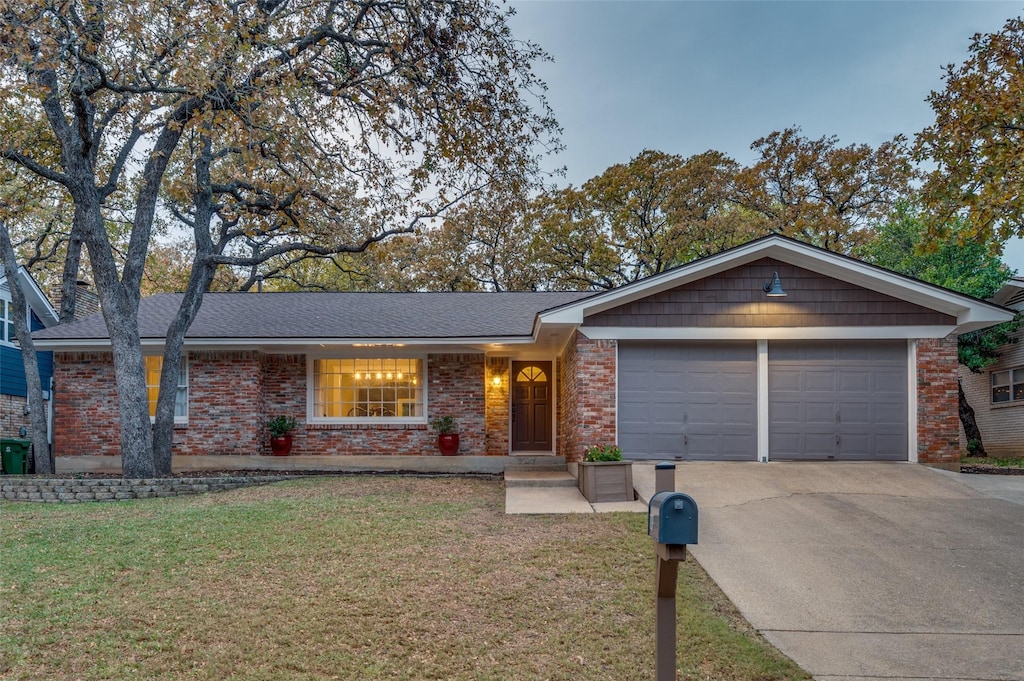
pixel 855 381
pixel 854 413
pixel 785 380
pixel 890 414
pixel 665 413
pixel 891 381
pixel 890 447
pixel 816 413
pixel 786 413
pixel 869 395
pixel 703 391
pixel 819 380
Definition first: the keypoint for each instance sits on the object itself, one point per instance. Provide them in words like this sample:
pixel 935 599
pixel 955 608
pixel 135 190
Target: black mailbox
pixel 672 518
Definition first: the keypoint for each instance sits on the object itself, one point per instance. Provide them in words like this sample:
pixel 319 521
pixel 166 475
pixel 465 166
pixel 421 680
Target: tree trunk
pixel 69 277
pixel 120 306
pixel 970 424
pixel 22 329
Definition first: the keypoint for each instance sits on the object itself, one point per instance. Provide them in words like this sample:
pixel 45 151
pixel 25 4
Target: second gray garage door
pixel 838 400
pixel 690 401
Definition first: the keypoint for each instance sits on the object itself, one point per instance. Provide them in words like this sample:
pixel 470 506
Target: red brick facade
pixel 938 420
pixel 232 394
pixel 587 397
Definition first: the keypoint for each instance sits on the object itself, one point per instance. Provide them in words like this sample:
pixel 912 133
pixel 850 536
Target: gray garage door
pixel 838 400
pixel 692 401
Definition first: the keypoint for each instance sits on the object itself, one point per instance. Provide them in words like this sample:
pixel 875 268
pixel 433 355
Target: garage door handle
pixel 837 438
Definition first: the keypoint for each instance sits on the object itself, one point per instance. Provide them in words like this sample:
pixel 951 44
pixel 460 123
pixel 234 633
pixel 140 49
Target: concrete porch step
pixel 515 478
pixel 535 463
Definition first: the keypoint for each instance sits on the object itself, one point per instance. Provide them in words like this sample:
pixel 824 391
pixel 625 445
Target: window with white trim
pixel 360 389
pixel 154 365
pixel 1008 386
pixel 7 334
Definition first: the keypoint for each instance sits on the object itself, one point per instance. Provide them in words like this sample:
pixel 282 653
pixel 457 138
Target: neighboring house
pixel 13 393
pixel 997 394
pixel 696 363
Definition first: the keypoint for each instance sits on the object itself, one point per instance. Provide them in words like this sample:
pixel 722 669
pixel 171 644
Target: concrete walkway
pixel 867 571
pixel 538 492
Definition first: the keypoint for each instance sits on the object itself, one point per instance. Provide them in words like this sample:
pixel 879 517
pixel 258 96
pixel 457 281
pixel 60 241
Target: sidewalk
pixel 538 492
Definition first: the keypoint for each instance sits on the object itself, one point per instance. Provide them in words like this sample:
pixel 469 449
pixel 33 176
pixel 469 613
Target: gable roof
pixel 970 313
pixel 336 317
pixel 1011 294
pixel 34 296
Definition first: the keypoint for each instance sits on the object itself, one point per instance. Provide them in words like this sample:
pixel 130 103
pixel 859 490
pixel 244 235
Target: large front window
pixel 153 367
pixel 367 388
pixel 1008 386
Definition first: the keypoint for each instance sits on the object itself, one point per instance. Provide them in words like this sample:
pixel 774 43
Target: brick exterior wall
pixel 225 413
pixel 587 397
pixel 1001 425
pixel 232 394
pixel 13 416
pixel 498 406
pixel 938 421
pixel 85 416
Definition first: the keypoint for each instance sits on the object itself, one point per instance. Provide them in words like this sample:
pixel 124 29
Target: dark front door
pixel 531 406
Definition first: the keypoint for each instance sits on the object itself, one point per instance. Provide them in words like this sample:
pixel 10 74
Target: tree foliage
pixel 977 140
pixel 904 244
pixel 820 192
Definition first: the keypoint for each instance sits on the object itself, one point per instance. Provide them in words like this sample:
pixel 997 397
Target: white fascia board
pixel 799 254
pixel 773 333
pixel 35 298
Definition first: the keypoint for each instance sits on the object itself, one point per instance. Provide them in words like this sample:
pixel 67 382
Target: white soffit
pixel 971 313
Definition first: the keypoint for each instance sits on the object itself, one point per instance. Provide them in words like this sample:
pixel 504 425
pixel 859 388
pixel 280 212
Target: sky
pixel 686 77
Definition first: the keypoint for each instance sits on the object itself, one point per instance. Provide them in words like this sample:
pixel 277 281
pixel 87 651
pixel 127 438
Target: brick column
pixel 497 405
pixel 588 379
pixel 938 420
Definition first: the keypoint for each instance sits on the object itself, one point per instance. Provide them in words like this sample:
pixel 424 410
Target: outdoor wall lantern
pixel 774 287
pixel 496 381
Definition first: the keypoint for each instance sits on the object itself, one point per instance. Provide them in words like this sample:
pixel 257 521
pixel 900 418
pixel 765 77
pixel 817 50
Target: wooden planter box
pixel 606 481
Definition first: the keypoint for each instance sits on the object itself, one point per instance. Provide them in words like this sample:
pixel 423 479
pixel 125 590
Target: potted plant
pixel 604 476
pixel 447 435
pixel 281 428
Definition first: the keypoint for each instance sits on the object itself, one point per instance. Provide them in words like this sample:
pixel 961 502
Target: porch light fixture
pixel 496 381
pixel 774 287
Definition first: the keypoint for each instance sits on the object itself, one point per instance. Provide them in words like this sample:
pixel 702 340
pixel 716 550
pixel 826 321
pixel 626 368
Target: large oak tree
pixel 272 115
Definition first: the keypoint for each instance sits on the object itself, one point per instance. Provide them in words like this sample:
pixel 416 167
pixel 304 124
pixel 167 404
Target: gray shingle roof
pixel 337 315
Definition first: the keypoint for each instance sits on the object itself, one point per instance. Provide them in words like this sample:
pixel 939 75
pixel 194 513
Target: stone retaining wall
pixel 58 490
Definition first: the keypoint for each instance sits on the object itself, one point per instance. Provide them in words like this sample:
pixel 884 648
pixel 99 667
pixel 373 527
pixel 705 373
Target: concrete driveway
pixel 867 571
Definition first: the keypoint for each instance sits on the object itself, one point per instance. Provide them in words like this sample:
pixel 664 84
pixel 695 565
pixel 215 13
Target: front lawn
pixel 349 578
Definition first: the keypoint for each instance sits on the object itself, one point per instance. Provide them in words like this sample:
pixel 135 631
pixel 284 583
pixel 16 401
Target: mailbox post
pixel 672 523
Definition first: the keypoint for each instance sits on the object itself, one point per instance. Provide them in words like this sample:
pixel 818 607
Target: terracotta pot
pixel 448 443
pixel 281 446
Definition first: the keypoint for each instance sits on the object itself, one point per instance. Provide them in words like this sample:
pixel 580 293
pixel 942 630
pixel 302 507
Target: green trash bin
pixel 14 455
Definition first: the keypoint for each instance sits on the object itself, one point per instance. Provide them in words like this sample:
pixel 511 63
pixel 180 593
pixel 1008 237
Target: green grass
pixel 349 578
pixel 1002 462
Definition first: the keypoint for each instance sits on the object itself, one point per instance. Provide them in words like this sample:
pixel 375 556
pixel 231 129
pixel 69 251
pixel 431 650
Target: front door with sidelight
pixel 531 406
